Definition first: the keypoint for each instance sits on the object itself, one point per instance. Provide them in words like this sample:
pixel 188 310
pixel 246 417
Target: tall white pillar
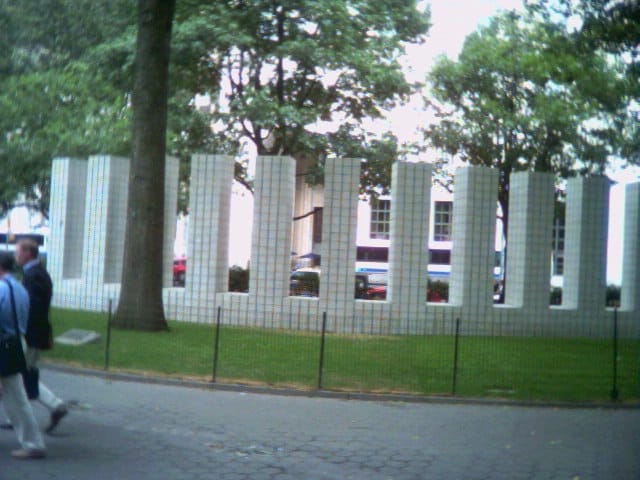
pixel 337 283
pixel 208 239
pixel 66 218
pixel 409 245
pixel 105 220
pixel 271 238
pixel 587 218
pixel 531 199
pixel 172 171
pixel 473 238
pixel 630 296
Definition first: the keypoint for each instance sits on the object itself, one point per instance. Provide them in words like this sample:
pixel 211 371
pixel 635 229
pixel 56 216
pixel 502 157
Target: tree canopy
pixel 272 71
pixel 522 97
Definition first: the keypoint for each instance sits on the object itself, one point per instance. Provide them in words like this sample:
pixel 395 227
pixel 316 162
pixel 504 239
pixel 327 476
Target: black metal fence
pixel 576 369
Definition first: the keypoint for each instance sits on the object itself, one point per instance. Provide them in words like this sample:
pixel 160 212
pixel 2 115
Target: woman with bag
pixel 14 311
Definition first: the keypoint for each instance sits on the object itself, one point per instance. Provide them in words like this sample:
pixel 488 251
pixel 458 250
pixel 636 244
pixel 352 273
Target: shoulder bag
pixel 12 358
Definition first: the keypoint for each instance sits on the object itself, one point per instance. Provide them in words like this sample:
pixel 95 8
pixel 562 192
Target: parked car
pixel 179 271
pixel 305 282
pixel 367 290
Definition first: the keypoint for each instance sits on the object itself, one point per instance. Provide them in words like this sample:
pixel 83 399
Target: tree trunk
pixel 140 306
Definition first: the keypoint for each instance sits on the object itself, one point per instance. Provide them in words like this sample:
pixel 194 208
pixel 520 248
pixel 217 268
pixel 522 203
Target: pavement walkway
pixel 120 430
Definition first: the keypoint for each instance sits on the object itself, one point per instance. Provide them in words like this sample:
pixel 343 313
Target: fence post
pixel 455 358
pixel 321 362
pixel 614 389
pixel 108 342
pixel 216 344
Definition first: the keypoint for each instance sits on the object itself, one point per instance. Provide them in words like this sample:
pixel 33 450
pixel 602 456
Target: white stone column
pixel 531 200
pixel 66 218
pixel 208 239
pixel 172 169
pixel 473 238
pixel 630 296
pixel 337 283
pixel 409 242
pixel 104 223
pixel 587 217
pixel 271 238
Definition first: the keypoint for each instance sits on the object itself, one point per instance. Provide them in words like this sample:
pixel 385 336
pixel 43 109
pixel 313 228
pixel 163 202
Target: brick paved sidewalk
pixel 130 430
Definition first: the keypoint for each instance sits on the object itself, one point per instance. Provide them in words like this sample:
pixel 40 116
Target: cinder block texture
pixel 105 220
pixel 587 219
pixel 630 297
pixel 208 240
pixel 473 249
pixel 408 249
pixel 340 217
pixel 66 218
pixel 531 198
pixel 172 171
pixel 271 237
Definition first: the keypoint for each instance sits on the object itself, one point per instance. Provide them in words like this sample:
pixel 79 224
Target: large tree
pixel 283 66
pixel 53 102
pixel 522 97
pixel 613 28
pixel 291 64
pixel 140 306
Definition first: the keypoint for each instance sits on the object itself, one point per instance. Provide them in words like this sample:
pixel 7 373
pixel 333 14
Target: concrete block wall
pixel 88 218
pixel 340 221
pixel 630 294
pixel 531 208
pixel 172 172
pixel 473 238
pixel 271 238
pixel 409 250
pixel 586 226
pixel 66 218
pixel 406 311
pixel 208 240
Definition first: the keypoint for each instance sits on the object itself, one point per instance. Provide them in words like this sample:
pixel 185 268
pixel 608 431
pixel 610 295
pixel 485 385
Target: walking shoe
pixel 28 453
pixel 6 426
pixel 56 416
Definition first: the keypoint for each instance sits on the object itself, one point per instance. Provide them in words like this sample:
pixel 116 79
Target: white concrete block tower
pixel 473 245
pixel 630 295
pixel 208 241
pixel 340 217
pixel 66 218
pixel 408 248
pixel 587 219
pixel 271 238
pixel 531 199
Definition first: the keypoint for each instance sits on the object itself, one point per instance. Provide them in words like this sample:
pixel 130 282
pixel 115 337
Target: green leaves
pixel 271 70
pixel 65 112
pixel 522 97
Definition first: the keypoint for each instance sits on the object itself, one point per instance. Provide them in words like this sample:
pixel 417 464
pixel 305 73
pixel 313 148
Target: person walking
pixel 14 397
pixel 37 282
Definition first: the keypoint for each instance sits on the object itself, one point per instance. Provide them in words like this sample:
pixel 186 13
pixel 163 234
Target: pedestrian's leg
pixel 20 413
pixel 47 398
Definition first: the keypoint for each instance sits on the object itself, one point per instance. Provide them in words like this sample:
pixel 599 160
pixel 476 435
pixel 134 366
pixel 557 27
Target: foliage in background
pixel 281 66
pixel 238 279
pixel 521 97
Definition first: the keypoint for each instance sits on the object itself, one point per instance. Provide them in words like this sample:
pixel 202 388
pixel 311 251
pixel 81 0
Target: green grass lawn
pixel 506 367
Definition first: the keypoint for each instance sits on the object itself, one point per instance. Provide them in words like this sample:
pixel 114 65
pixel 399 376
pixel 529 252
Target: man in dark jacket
pixel 37 282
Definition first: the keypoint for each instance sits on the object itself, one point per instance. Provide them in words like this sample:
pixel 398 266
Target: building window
pixel 557 246
pixel 380 218
pixel 443 221
pixel 440 257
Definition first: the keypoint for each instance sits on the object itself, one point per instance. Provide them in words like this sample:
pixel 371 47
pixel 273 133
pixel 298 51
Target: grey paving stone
pixel 131 430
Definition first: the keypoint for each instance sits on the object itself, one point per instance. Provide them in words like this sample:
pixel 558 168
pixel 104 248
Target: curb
pixel 333 394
